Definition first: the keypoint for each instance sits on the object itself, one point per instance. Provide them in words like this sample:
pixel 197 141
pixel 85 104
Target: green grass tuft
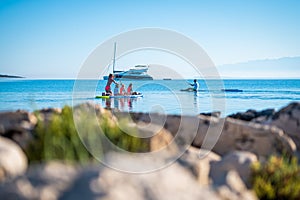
pixel 279 178
pixel 58 139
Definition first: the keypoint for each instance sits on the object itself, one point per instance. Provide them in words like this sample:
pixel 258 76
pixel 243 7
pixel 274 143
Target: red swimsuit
pixel 107 87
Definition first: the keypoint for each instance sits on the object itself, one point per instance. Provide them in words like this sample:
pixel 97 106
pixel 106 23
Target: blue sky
pixel 51 39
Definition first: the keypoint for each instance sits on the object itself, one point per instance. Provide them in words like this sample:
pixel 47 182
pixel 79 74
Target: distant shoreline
pixel 10 76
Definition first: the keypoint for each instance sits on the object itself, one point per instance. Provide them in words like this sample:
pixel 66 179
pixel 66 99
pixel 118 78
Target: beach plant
pixel 57 138
pixel 119 137
pixel 278 178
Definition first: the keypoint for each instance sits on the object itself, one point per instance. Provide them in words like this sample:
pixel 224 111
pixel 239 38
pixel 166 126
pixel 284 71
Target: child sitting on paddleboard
pixel 122 89
pixel 130 91
pixel 116 90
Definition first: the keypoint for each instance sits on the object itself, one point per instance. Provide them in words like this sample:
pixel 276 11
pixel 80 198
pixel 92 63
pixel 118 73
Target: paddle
pixel 188 83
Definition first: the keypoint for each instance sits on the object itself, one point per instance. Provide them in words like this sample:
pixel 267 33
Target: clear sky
pixel 52 38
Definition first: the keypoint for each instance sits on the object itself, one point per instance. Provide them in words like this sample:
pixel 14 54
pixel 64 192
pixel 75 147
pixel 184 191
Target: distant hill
pixel 286 67
pixel 9 76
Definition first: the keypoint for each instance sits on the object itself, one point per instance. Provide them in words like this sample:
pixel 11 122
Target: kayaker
pixel 195 85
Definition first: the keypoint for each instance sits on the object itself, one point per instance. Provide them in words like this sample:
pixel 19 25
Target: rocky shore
pixel 230 147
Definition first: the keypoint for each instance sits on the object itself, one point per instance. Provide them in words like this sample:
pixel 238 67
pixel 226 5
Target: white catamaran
pixel 139 72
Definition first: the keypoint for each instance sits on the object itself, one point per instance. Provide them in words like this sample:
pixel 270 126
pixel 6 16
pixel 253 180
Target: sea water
pixel 162 96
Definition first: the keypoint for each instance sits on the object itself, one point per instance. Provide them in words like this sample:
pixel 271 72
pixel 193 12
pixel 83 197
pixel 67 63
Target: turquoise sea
pixel 163 96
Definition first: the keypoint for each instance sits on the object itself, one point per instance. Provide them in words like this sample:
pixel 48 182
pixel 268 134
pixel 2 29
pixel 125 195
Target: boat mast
pixel 114 60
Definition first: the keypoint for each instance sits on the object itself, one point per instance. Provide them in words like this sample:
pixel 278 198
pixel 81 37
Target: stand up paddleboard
pixel 119 96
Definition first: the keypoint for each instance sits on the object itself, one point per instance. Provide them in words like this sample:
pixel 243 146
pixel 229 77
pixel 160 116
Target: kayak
pixel 190 90
pixel 119 96
pixel 231 90
pixel 222 90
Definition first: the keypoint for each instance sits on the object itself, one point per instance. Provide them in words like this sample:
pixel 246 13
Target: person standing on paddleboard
pixel 109 81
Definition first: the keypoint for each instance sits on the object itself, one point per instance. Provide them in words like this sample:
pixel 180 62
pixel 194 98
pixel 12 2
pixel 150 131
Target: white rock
pixel 235 188
pixel 239 161
pixel 198 162
pixel 288 119
pixel 13 161
pixel 262 140
pixel 59 181
pixel 173 182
